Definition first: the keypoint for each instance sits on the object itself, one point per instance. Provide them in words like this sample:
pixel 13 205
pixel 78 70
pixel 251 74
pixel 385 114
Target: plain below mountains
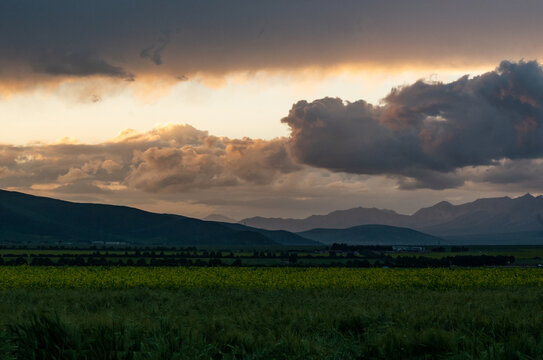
pixel 501 220
pixel 27 218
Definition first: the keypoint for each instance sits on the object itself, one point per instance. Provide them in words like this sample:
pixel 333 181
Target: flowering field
pixel 265 278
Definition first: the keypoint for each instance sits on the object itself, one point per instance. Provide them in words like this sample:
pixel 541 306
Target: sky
pixel 271 108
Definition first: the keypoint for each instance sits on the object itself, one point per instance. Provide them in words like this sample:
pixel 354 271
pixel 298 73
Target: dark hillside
pixel 38 219
pixel 372 235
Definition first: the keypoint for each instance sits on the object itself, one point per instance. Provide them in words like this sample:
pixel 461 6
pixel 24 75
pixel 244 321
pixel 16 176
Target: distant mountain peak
pixel 526 196
pixel 443 204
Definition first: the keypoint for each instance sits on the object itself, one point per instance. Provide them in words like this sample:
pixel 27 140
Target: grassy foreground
pixel 271 324
pixel 270 313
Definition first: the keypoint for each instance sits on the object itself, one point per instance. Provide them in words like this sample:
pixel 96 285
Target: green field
pixel 29 277
pixel 221 323
pixel 203 312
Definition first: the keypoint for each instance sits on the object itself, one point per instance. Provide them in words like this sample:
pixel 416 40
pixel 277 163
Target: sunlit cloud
pixel 413 136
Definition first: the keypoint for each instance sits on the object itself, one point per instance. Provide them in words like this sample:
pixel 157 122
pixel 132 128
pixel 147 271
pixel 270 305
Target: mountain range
pixel 27 218
pixel 499 220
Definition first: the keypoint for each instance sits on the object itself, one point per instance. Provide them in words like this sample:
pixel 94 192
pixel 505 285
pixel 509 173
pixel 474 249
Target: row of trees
pixel 353 248
pixel 401 261
pixel 464 260
pixel 453 249
pixel 102 261
pixel 196 254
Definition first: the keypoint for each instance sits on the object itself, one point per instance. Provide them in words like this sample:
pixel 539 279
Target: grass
pixel 13 277
pixel 126 313
pixel 271 324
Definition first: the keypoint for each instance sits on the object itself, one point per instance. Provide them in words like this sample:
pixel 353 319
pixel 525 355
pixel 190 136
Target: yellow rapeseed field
pixel 288 278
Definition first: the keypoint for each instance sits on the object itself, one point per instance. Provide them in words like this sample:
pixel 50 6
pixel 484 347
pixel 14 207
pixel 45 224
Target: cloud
pixel 6 172
pixel 173 158
pixel 427 135
pixel 154 53
pixel 214 162
pixel 73 175
pixel 110 166
pixel 480 134
pixel 127 40
pixel 423 133
pixel 518 175
pixel 78 64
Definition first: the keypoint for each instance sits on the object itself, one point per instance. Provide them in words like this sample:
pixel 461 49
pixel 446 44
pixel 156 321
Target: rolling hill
pixel 372 235
pixel 27 218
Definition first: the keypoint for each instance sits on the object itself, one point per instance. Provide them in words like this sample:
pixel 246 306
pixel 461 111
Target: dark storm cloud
pixel 154 53
pixel 425 132
pixel 82 64
pixel 216 37
pixel 524 174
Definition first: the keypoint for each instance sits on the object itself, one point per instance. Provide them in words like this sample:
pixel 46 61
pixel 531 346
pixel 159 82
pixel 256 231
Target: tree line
pixel 293 260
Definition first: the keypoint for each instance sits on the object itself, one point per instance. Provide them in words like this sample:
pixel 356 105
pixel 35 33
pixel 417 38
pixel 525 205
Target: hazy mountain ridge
pixel 339 219
pixel 372 235
pixel 490 215
pixel 26 217
pixel 482 216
